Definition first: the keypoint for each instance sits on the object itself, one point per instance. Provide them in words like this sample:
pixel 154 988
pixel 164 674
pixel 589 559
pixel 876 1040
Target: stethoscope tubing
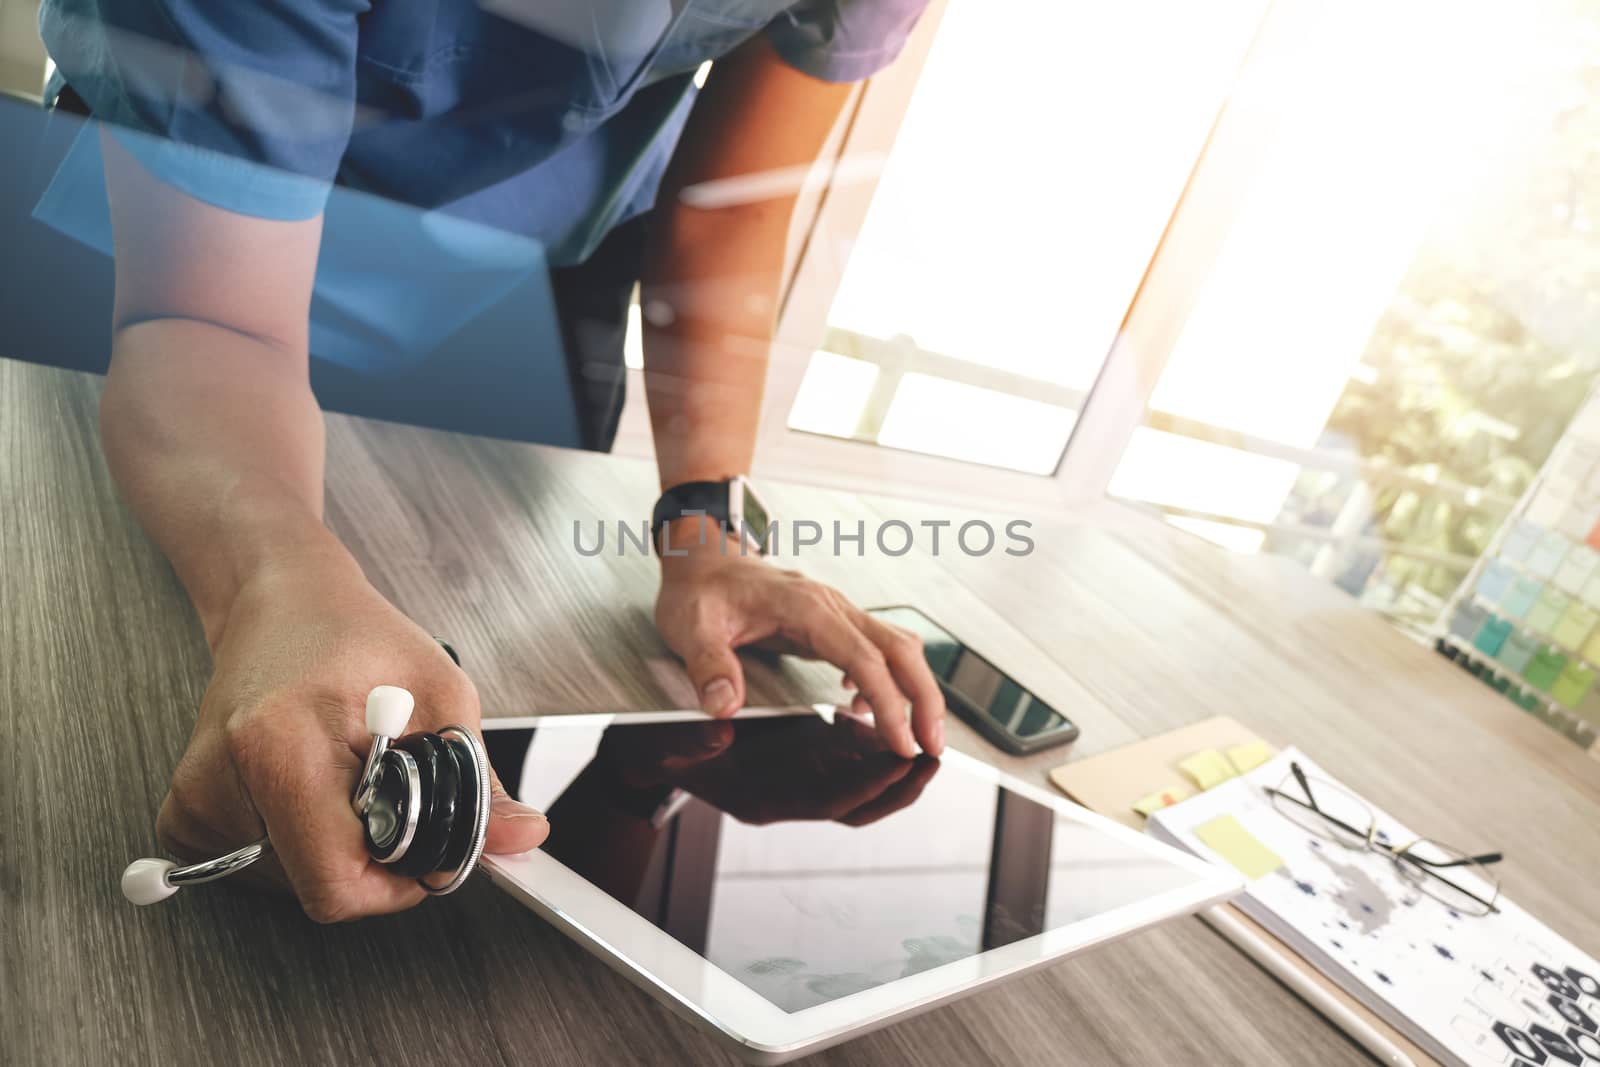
pixel 221 867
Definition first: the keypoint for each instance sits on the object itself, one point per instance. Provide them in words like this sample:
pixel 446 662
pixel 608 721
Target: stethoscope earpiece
pixel 423 801
pixel 145 881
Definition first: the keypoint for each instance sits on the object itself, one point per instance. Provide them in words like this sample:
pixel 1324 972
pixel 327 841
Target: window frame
pixel 1198 225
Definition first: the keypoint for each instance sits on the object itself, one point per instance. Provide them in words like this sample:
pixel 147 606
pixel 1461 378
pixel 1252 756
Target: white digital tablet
pixel 785 883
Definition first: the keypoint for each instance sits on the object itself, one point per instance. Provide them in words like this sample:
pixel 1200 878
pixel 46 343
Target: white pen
pixel 1359 1030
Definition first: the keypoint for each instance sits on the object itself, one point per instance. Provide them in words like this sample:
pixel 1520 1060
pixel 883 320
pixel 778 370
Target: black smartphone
pixel 987 698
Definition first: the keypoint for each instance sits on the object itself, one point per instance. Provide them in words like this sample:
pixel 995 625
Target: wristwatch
pixel 732 503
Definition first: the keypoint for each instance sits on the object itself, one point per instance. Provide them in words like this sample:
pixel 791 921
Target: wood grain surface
pixel 1129 628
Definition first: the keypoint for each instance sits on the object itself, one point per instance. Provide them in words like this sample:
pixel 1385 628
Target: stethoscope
pixel 423 801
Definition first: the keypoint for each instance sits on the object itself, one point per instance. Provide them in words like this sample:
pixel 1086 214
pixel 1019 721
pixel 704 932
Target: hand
pixel 281 736
pixel 713 601
pixel 764 771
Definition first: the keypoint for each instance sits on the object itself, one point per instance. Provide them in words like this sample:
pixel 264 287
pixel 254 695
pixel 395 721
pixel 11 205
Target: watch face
pixel 754 513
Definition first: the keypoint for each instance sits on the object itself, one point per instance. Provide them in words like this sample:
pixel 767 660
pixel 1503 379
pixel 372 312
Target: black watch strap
pixel 689 498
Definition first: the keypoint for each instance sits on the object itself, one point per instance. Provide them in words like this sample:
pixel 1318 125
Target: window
pixel 1397 328
pixel 1036 165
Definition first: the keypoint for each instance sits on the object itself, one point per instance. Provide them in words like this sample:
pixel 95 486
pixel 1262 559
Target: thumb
pixel 513 827
pixel 717 675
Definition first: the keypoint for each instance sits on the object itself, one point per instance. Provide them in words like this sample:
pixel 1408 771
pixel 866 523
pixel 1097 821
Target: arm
pixel 718 272
pixel 720 269
pixel 212 435
pixel 207 421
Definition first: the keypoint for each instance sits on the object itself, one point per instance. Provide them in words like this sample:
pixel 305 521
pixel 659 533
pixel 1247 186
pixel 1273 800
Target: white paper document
pixel 1499 990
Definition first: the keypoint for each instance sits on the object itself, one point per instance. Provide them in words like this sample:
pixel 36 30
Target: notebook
pixel 1117 783
pixel 1470 991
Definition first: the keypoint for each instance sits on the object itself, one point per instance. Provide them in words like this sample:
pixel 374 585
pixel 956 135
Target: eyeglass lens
pixel 1328 812
pixel 1449 876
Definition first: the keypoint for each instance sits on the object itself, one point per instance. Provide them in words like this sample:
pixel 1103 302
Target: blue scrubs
pixel 472 141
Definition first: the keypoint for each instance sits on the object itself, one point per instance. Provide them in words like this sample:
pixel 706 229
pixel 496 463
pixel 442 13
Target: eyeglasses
pixel 1452 877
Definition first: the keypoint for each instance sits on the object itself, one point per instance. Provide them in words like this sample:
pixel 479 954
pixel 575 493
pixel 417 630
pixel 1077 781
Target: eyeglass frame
pixel 1396 855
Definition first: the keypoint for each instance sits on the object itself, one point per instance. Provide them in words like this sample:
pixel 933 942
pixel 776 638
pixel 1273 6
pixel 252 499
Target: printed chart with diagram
pixel 1495 990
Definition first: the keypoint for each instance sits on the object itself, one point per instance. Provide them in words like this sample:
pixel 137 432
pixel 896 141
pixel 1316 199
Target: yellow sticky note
pixel 1249 756
pixel 1227 838
pixel 1208 768
pixel 1163 799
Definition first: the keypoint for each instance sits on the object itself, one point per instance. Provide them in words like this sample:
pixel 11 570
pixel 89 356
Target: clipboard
pixel 1112 782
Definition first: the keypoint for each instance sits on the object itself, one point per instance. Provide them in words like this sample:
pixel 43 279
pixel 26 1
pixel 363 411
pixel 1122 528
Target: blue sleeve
pixel 248 104
pixel 844 40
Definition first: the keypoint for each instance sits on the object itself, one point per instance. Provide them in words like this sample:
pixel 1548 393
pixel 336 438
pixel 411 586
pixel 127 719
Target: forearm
pixel 216 443
pixel 710 291
pixel 714 272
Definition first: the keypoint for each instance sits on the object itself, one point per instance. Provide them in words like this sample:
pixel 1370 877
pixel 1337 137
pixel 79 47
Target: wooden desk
pixel 1133 630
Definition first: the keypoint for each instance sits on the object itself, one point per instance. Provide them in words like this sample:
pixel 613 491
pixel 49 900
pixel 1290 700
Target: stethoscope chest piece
pixel 428 810
pixel 423 801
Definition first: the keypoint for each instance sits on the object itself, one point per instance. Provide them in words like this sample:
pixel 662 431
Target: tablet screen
pixel 804 859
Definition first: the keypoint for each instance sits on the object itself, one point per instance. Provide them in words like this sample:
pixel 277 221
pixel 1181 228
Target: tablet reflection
pixel 643 819
pixel 701 828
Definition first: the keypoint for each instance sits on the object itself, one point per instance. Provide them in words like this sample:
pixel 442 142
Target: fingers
pixel 300 785
pixel 299 779
pixel 902 649
pixel 885 665
pixel 849 796
pixel 854 776
pixel 900 794
pixel 207 812
pixel 686 748
pixel 513 827
pixel 650 755
pixel 836 639
pixel 715 670
pixel 872 782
